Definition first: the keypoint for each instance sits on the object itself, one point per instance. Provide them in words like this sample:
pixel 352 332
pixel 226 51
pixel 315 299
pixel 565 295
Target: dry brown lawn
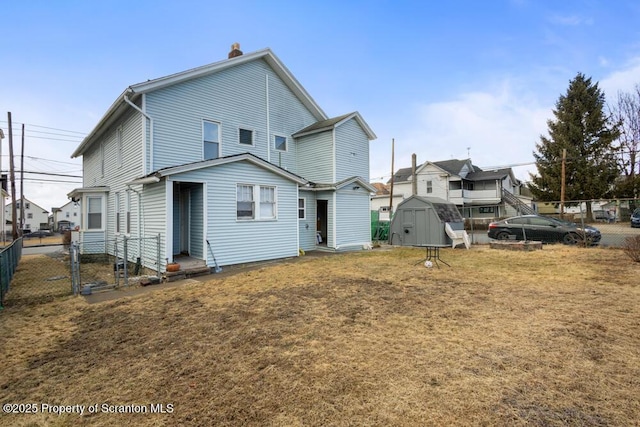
pixel 542 338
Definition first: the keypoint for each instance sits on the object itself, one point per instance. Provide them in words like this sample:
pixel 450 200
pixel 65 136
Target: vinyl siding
pixel 237 242
pixel 352 151
pixel 196 222
pixel 353 218
pixel 328 196
pixel 233 98
pixel 307 226
pixel 315 157
pixel 154 222
pixel 115 175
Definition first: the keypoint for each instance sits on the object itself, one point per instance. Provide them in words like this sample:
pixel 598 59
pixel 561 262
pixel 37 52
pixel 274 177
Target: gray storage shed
pixel 421 221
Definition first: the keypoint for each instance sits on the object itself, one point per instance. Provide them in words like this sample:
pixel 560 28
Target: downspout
pixel 144 146
pixel 266 85
pixel 335 192
pixel 144 165
pixel 140 212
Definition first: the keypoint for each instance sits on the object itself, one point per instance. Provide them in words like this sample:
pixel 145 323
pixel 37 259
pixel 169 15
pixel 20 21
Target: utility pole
pixel 12 177
pixel 391 189
pixel 22 184
pixel 564 162
pixel 414 178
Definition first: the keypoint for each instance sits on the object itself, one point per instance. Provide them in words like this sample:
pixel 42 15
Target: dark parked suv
pixel 543 229
pixel 635 218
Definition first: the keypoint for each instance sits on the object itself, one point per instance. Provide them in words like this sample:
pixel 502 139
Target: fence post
pixel 158 255
pixel 126 259
pixel 3 279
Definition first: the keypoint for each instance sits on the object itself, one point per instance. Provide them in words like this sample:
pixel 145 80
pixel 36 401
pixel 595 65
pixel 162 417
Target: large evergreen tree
pixel 582 128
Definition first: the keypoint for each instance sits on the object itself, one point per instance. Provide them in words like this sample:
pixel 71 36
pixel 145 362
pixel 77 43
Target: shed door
pixel 408 227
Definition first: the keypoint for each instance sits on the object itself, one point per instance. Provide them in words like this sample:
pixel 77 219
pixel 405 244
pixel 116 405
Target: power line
pixel 51 174
pixel 46 127
pixel 52 180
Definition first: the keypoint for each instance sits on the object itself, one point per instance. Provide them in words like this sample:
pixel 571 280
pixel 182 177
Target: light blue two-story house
pixel 233 159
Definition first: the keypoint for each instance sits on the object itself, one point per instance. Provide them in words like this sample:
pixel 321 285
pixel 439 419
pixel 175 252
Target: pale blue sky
pixel 446 79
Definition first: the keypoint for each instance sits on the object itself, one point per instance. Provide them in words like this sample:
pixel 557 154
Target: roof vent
pixel 235 50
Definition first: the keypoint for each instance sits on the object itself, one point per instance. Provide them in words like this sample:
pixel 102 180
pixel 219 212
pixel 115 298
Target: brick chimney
pixel 235 50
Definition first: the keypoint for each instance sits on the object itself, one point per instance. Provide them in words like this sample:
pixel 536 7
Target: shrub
pixel 631 247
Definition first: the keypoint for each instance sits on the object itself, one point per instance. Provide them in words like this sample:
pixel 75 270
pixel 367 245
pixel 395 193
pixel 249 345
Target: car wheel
pixel 503 235
pixel 571 239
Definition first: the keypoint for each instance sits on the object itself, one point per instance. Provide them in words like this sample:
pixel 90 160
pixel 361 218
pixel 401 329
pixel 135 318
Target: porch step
pixel 172 276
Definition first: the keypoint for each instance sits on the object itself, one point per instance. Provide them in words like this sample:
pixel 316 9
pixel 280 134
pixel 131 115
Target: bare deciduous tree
pixel 626 112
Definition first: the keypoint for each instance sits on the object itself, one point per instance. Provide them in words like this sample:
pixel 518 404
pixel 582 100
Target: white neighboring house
pixel 67 217
pixel 477 193
pixel 35 216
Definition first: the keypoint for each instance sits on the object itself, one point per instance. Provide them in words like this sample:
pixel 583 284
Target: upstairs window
pixel 280 143
pixel 211 137
pixel 429 186
pixel 119 144
pixel 245 136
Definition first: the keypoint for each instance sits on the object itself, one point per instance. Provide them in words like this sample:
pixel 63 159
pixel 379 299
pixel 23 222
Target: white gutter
pixel 144 145
pixel 146 180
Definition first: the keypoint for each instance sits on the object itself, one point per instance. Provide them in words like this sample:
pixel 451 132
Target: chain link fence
pixel 109 264
pixel 9 259
pixel 612 217
pixel 67 269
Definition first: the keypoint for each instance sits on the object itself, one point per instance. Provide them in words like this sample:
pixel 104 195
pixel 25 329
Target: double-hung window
pixel 245 205
pixel 267 202
pixel 211 137
pixel 117 205
pixel 119 145
pixel 94 213
pixel 127 208
pixel 302 211
pixel 248 196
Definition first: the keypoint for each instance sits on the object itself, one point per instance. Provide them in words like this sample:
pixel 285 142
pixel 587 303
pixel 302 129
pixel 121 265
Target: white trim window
pixel 302 208
pixel 429 187
pixel 244 202
pixel 245 136
pixel 267 202
pixel 94 212
pixel 102 161
pixel 280 142
pixel 266 197
pixel 119 145
pixel 127 208
pixel 211 139
pixel 118 216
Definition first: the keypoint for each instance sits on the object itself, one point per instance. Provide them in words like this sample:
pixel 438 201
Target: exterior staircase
pixel 520 207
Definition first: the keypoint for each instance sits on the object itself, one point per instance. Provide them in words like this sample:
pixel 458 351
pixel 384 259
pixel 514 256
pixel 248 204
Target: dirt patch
pixel 502 338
